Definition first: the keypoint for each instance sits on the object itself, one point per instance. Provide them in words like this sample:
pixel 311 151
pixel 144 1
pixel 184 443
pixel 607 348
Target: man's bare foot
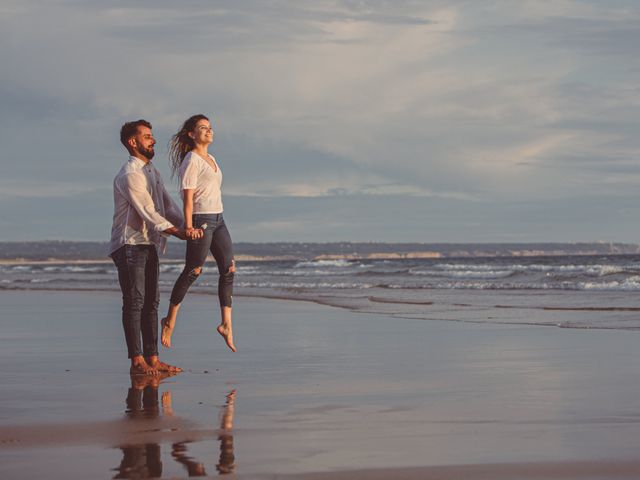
pixel 227 334
pixel 140 367
pixel 167 330
pixel 161 366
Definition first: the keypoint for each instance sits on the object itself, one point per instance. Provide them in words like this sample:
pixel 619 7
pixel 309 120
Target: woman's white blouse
pixel 197 175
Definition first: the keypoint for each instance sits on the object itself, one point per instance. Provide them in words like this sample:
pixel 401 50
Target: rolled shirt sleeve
pixel 134 187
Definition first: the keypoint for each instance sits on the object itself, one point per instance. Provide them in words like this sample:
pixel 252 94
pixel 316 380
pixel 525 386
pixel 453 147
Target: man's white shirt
pixel 143 208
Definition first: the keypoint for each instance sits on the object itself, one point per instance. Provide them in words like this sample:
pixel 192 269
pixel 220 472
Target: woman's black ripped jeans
pixel 216 240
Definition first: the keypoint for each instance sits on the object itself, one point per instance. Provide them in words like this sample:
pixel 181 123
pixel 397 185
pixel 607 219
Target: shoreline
pixel 328 257
pixel 515 315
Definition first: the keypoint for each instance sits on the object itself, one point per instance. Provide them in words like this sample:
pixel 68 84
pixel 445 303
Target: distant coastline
pixel 84 261
pixel 50 252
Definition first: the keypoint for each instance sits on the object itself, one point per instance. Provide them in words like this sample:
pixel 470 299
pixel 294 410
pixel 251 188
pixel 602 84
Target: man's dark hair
pixel 129 129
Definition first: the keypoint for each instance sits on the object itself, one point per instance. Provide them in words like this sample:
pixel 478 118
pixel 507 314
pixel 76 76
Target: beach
pixel 313 392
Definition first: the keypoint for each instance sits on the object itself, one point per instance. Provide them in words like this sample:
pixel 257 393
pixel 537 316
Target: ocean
pixel 595 291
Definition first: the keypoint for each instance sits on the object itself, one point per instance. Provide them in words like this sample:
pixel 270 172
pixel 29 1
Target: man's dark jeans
pixel 138 272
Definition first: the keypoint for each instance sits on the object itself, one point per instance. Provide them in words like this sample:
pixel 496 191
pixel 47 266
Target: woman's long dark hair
pixel 181 143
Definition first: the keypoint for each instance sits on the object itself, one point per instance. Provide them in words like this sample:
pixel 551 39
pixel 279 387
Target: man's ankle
pixel 138 360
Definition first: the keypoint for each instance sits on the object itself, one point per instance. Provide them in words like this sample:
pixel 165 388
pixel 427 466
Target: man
pixel 144 215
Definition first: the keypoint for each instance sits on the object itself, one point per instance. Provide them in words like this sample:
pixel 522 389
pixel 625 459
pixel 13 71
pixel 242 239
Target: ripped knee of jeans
pixel 226 278
pixel 230 270
pixel 195 273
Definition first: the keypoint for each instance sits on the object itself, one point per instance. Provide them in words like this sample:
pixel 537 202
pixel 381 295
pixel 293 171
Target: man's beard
pixel 147 152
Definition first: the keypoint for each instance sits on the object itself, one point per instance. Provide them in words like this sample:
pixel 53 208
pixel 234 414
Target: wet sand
pixel 314 392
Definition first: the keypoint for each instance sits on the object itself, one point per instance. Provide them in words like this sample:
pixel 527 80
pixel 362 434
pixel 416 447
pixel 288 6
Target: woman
pixel 200 182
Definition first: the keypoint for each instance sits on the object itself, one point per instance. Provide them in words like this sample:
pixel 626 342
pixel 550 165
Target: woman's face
pixel 202 133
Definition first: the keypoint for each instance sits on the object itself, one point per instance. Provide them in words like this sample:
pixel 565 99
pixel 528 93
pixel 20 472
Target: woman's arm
pixel 187 208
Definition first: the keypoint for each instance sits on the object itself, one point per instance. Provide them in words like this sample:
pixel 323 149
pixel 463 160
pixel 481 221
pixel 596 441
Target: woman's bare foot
pixel 168 323
pixel 161 366
pixel 167 330
pixel 140 367
pixel 227 334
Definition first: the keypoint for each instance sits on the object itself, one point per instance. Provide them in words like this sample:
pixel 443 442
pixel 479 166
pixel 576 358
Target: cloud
pixel 45 189
pixel 449 101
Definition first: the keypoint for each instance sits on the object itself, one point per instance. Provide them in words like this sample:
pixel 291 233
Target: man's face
pixel 142 143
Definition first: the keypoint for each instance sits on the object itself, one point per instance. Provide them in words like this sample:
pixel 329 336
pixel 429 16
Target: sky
pixel 383 121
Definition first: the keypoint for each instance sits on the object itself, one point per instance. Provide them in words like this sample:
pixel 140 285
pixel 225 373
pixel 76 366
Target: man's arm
pixel 171 209
pixel 133 187
pixel 176 232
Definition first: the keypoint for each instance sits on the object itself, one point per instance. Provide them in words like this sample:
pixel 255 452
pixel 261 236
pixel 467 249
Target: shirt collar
pixel 137 161
pixel 200 156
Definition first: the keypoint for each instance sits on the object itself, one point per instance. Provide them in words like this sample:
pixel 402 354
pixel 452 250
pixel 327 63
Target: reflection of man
pixel 143 460
pixel 144 215
pixel 140 461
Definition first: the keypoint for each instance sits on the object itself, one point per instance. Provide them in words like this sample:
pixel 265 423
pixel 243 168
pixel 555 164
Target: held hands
pixel 186 234
pixel 179 233
pixel 193 233
pixel 176 232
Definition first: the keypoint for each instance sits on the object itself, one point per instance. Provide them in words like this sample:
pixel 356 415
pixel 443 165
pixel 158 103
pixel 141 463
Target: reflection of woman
pixel 200 183
pixel 227 461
